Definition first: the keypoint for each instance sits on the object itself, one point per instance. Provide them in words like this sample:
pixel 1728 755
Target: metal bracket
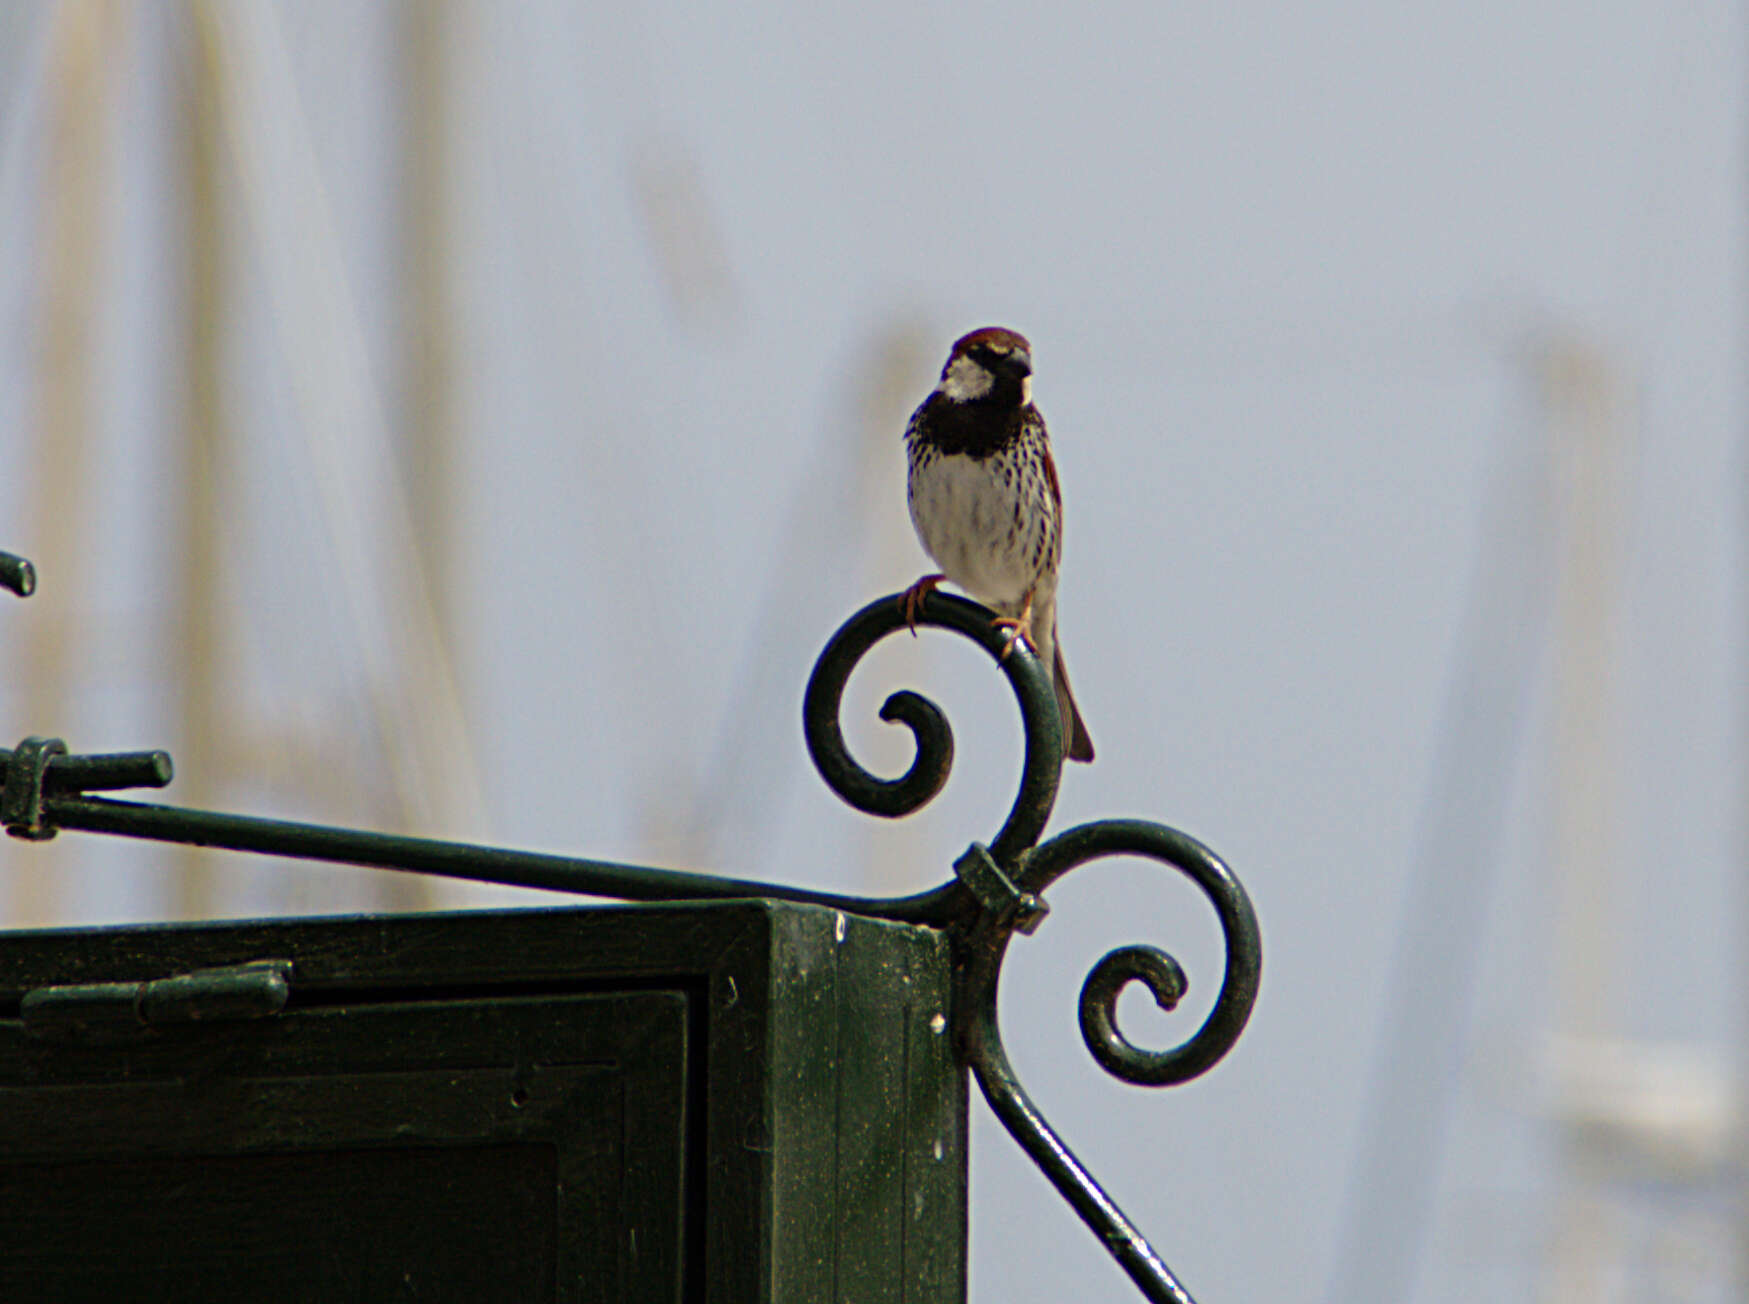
pixel 21 800
pixel 996 892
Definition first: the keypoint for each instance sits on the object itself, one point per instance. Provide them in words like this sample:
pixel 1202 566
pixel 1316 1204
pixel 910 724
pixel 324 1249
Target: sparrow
pixel 984 500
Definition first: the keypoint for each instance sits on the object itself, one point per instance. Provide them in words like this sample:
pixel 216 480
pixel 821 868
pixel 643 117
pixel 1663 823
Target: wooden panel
pixel 730 1103
pixel 425 1223
pixel 869 1178
pixel 430 1150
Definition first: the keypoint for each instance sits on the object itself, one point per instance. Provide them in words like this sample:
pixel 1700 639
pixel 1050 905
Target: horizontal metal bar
pixel 102 772
pixel 463 860
pixel 17 574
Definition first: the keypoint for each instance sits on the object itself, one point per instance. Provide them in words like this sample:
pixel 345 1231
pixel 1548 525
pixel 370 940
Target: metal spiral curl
pixel 1151 966
pixel 981 1035
pixel 911 791
pixel 1164 978
pixel 981 907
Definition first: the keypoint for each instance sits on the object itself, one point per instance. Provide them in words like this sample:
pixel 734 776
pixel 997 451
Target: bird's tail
pixel 1077 746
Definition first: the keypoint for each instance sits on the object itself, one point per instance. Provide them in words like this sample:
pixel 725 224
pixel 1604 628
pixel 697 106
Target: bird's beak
pixel 1019 362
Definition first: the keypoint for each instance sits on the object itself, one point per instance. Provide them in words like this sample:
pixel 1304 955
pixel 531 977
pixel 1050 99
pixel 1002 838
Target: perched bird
pixel 985 502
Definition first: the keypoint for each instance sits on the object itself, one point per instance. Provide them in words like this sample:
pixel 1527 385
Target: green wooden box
pixel 741 1102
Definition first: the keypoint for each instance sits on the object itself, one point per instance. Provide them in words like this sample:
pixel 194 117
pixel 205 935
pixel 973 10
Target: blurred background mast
pixel 1643 1128
pixel 1421 1050
pixel 1589 439
pixel 420 738
pixel 429 415
pixel 197 655
pixel 87 45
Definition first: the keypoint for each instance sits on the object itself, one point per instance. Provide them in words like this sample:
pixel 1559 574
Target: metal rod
pixel 1121 1238
pixel 100 773
pixel 529 869
pixel 17 575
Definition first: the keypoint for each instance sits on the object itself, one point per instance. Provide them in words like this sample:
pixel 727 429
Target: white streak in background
pixel 1424 1036
pixel 409 678
pixel 21 133
pixel 684 236
pixel 851 500
pixel 556 331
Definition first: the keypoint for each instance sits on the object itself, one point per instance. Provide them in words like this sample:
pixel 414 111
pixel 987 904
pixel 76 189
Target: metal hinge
pixel 257 989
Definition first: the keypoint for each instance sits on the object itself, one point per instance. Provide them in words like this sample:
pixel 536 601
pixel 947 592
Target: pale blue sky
pixel 1287 272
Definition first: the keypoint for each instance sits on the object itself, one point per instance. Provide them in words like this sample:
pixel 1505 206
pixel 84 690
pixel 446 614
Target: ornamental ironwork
pixel 997 888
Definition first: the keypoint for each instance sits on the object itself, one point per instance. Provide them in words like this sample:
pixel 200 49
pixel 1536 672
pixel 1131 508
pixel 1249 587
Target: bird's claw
pixel 911 600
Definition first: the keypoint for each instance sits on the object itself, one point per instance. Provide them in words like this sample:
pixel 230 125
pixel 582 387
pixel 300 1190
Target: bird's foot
pixel 1016 628
pixel 911 600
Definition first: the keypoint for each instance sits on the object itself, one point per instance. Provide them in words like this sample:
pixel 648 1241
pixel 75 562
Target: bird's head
pixel 991 365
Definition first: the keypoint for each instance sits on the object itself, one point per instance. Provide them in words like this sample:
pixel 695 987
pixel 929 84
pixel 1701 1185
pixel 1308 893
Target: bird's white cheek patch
pixel 965 380
pixel 1025 390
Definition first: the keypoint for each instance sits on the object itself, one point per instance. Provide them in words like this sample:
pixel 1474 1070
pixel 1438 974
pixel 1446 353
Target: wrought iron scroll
pixel 17 575
pixel 1006 882
pixel 997 889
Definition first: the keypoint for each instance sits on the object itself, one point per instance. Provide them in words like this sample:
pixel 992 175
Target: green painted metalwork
pixel 17 575
pixel 998 889
pixel 1006 884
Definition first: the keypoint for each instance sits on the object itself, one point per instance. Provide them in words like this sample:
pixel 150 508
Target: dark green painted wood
pixel 890 1154
pixel 740 1101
